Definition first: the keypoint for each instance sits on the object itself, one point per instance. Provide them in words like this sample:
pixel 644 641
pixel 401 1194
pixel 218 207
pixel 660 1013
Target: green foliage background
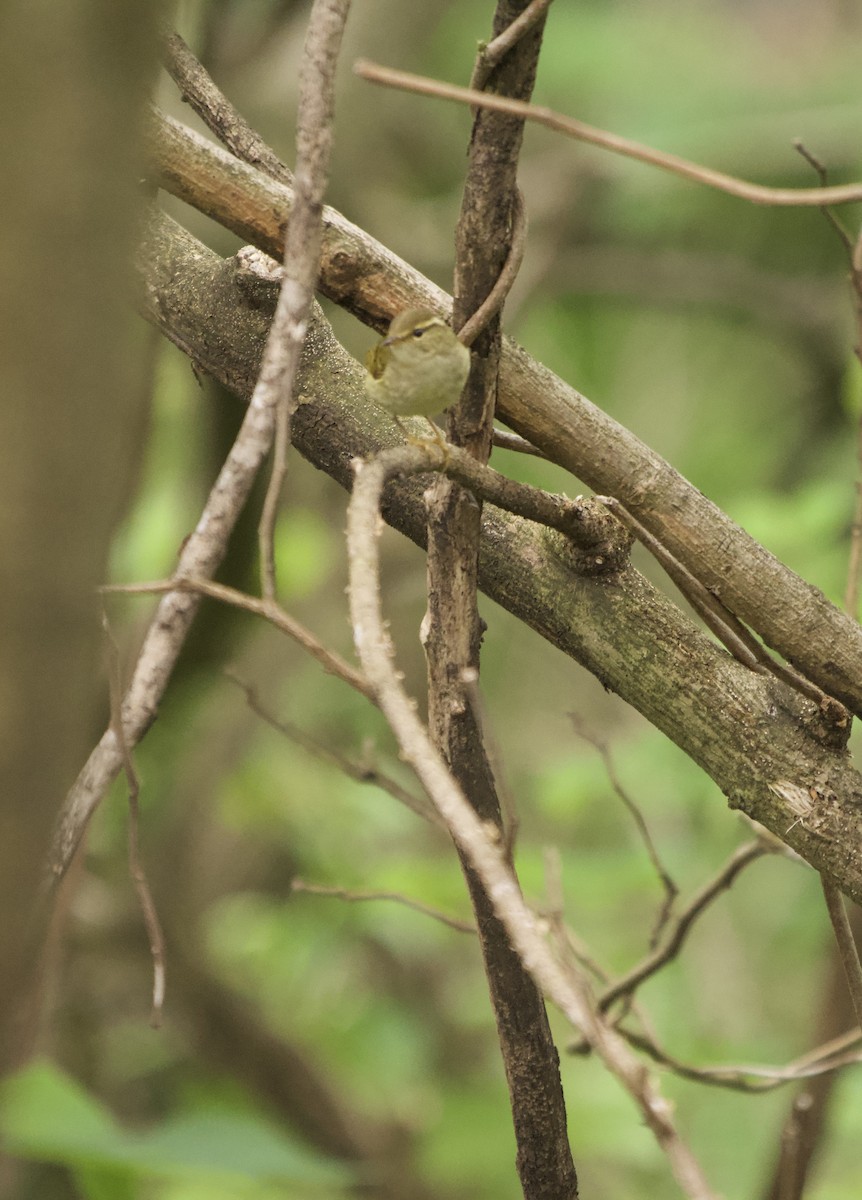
pixel 722 335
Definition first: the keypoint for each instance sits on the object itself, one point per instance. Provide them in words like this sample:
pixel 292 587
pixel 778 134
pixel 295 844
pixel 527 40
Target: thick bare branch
pixel 792 616
pixel 489 241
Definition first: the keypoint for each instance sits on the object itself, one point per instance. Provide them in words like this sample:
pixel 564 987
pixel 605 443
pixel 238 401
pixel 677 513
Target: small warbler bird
pixel 419 368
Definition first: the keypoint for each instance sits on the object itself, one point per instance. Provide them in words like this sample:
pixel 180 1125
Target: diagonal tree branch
pixel 792 616
pixel 216 111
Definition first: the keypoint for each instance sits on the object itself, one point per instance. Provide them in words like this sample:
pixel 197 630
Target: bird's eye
pixel 419 331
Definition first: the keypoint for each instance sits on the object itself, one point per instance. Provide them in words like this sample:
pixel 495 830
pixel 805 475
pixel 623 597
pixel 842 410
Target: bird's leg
pixel 437 435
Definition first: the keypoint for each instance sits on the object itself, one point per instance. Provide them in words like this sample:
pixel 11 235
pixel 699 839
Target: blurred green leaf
pixel 46 1115
pixel 305 552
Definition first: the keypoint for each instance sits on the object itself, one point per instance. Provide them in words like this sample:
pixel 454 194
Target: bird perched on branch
pixel 419 368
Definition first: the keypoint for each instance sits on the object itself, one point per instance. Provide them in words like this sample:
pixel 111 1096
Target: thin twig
pixel 679 930
pixel 569 948
pixel 576 946
pixel 854 557
pixel 152 923
pixel 199 90
pixel 496 298
pixel 822 1060
pixel 270 610
pixel 742 1078
pixel 742 189
pixel 493 52
pixel 565 988
pixel 814 162
pixel 358 771
pixel 302 242
pixel 856 281
pixel 269 512
pixel 845 942
pixel 508 807
pixel 556 901
pixel 671 891
pixel 830 1051
pixel 729 630
pixel 318 889
pixel 504 440
pixel 854 563
pixel 603 543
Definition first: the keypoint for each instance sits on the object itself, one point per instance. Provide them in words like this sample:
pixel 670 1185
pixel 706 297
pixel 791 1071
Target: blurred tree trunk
pixel 74 79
